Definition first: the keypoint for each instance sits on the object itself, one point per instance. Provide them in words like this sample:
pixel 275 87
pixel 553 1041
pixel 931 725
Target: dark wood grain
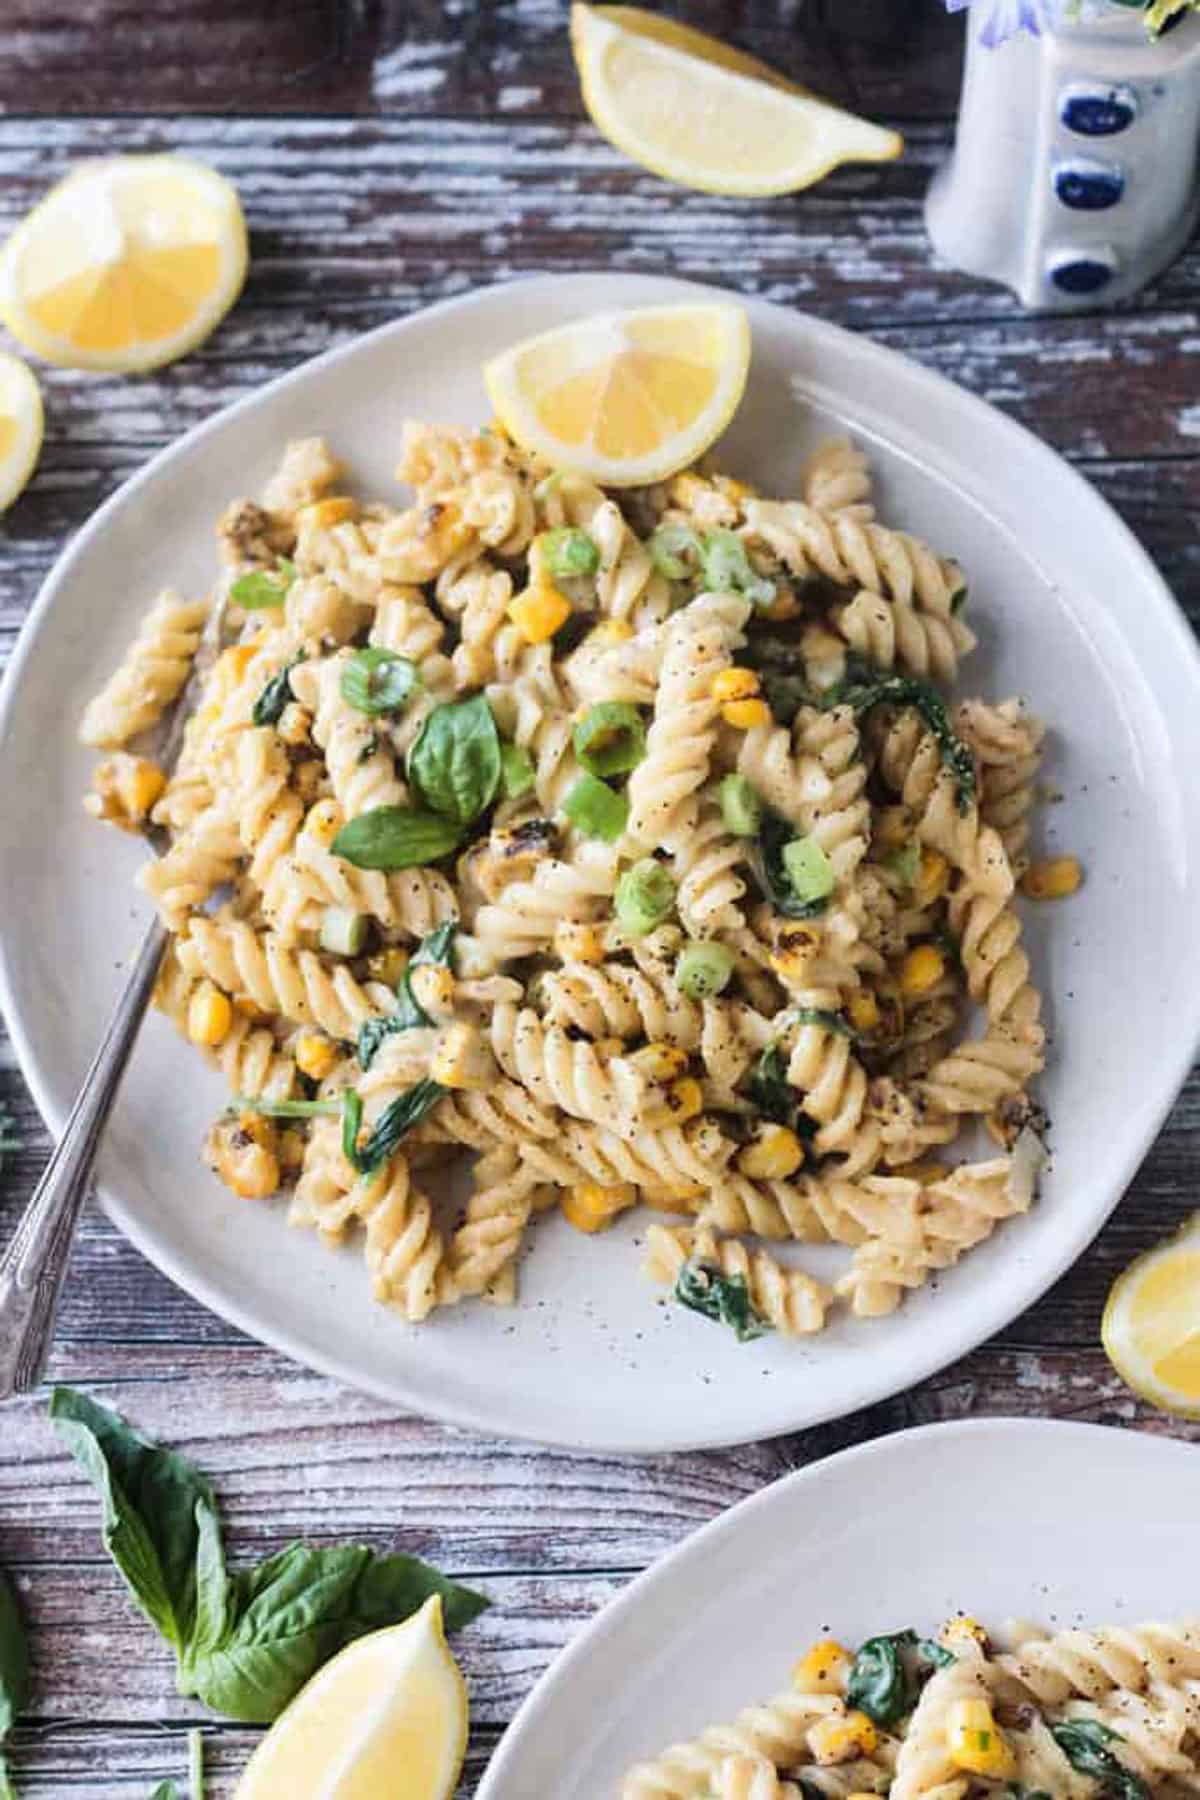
pixel 391 153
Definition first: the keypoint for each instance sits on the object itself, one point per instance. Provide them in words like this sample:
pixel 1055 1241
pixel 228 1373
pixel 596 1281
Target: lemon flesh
pixel 627 398
pixel 690 109
pixel 386 1719
pixel 1151 1327
pixel 21 427
pixel 126 265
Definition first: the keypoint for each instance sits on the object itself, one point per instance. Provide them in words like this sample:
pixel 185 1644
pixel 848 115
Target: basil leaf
pixel 396 837
pixel 269 707
pixel 455 762
pixel 1084 1744
pixel 437 948
pixel 377 681
pixel 723 1298
pixel 396 1119
pixel 14 1674
pixel 938 1657
pixel 770 871
pixel 299 1608
pixel 727 568
pixel 770 1089
pixel 160 1520
pixel 258 589
pixel 878 1683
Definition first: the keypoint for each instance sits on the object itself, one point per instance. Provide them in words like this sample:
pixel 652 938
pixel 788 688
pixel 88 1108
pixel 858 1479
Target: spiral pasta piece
pixel 752 1778
pixel 151 674
pixel 787 1299
pixel 837 478
pixel 1008 743
pixel 560 1071
pixel 362 769
pixel 522 922
pixel 851 551
pixel 776 1733
pixel 891 634
pixel 504 1197
pixel 707 868
pixel 299 985
pixel 1087 1665
pixel 248 1056
pixel 204 857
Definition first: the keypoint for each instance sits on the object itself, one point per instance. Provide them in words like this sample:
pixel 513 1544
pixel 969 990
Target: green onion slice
pixel 727 568
pixel 610 739
pixel 596 809
pixel 516 771
pixel 741 807
pixel 808 869
pixel 568 552
pixel 257 590
pixel 675 552
pixel 703 970
pixel 645 896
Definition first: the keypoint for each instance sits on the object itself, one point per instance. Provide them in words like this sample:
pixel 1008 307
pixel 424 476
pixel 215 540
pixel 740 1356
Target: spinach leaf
pixel 9 1141
pixel 396 1119
pixel 865 688
pixel 455 763
pixel 1084 1744
pixel 269 707
pixel 935 1654
pixel 766 862
pixel 770 1089
pixel 409 1013
pixel 878 1681
pixel 396 837
pixel 14 1675
pixel 244 1642
pixel 258 589
pixel 159 1517
pixel 297 1609
pixel 723 1298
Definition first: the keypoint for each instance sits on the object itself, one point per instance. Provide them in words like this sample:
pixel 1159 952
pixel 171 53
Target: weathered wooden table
pixel 391 153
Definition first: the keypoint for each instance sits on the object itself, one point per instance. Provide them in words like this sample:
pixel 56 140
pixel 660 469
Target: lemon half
pixel 1151 1327
pixel 692 110
pixel 626 397
pixel 21 427
pixel 127 264
pixel 386 1719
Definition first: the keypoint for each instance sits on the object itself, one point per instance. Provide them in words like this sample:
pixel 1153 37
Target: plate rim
pixel 396 1388
pixel 612 1615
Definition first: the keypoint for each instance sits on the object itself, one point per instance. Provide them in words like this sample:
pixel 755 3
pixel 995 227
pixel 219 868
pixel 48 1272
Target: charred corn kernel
pixel 893 827
pixel 975 1742
pixel 921 971
pixel 321 514
pixel 823 1668
pixel 433 987
pixel 843 1738
pixel 735 684
pixel 461 1059
pixel 962 1629
pixel 256 1128
pixel 794 952
pixel 323 822
pixel 538 613
pixel 126 787
pixel 295 724
pixel 1054 879
pixel 578 943
pixel 744 715
pixel 660 1061
pixel 933 878
pixel 388 965
pixel 244 1153
pixel 610 633
pixel 592 1206
pixel 785 605
pixel 862 1010
pixel 314 1055
pixel 775 1154
pixel 209 1015
pixel 685 1099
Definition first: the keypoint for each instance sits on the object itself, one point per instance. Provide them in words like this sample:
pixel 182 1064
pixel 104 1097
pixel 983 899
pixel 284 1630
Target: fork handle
pixel 34 1265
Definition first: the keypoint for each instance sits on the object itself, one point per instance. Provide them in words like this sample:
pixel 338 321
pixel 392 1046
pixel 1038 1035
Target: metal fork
pixel 33 1268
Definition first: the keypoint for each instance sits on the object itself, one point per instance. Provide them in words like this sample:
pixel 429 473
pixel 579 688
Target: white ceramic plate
pixel 1070 613
pixel 998 1518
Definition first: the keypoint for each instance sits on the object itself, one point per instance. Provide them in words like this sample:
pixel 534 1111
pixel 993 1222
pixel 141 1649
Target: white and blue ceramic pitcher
pixel 1074 177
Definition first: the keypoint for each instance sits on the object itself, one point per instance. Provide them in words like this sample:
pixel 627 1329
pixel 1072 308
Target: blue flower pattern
pixel 1004 18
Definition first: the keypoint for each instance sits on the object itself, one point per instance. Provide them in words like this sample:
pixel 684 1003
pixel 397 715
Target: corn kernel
pixel 592 1206
pixel 292 1144
pixel 843 1738
pixel 538 613
pixel 314 1055
pixel 745 715
pixel 232 664
pixel 660 1061
pixel 609 634
pixel 209 1015
pixel 578 943
pixel 962 1629
pixel 921 971
pixel 893 827
pixel 1054 879
pixel 323 822
pixel 461 1059
pixel 736 490
pixel 775 1154
pixel 822 1669
pixel 862 1009
pixel 250 1009
pixel 686 1099
pixel 680 1200
pixel 244 1153
pixel 794 953
pixel 388 965
pixel 975 1742
pixel 933 878
pixel 735 684
pixel 321 514
pixel 433 988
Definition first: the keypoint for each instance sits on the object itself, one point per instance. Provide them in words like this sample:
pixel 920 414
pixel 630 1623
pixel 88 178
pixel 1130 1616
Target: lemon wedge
pixel 20 427
pixel 626 397
pixel 1151 1327
pixel 692 110
pixel 386 1719
pixel 127 264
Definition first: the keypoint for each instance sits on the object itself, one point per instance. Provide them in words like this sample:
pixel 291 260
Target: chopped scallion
pixel 596 809
pixel 343 932
pixel 741 808
pixel 610 739
pixel 703 970
pixel 568 552
pixel 645 896
pixel 808 869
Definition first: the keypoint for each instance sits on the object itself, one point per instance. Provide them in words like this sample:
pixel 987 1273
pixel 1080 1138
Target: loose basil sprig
pixel 270 705
pixel 245 1642
pixel 1084 1744
pixel 258 590
pixel 455 763
pixel 377 681
pixel 723 1298
pixel 437 949
pixel 14 1675
pixel 396 837
pixel 393 1123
